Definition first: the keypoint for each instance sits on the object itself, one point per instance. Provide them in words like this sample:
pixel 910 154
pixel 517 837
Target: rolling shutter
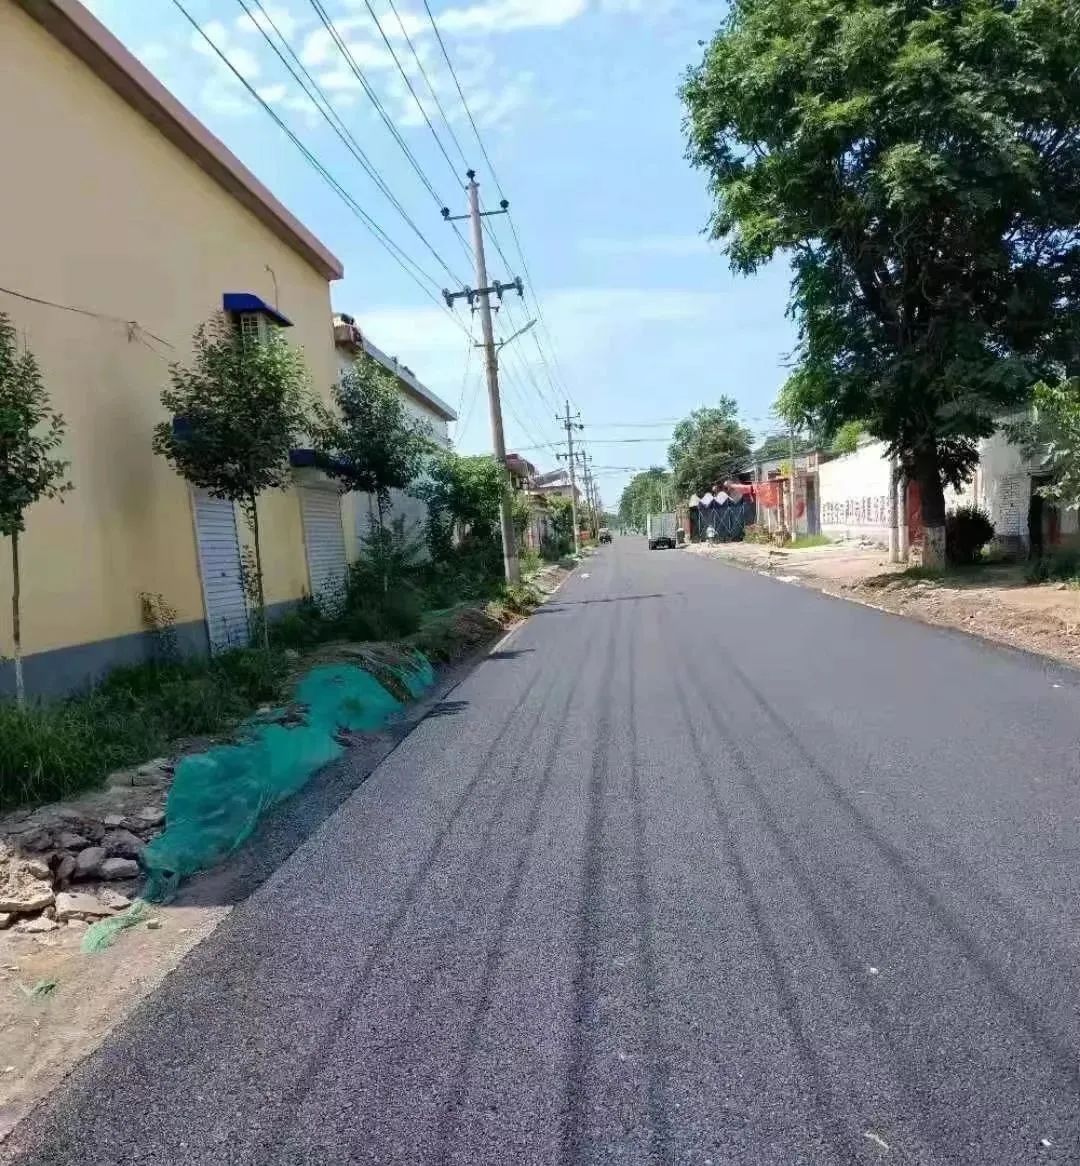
pixel 219 561
pixel 325 542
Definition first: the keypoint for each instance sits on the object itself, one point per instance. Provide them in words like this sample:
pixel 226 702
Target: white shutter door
pixel 325 541
pixel 219 559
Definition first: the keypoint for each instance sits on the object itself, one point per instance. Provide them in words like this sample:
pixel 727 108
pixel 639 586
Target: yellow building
pixel 125 225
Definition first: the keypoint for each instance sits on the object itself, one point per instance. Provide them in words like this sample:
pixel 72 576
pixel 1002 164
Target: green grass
pixel 808 540
pixel 51 751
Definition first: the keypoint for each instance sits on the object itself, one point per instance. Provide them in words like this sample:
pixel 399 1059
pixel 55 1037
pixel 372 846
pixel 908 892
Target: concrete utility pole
pixel 894 510
pixel 570 424
pixel 481 295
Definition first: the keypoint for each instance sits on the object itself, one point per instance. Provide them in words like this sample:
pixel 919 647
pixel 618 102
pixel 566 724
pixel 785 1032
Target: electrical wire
pixel 317 96
pixel 408 265
pixel 431 87
pixel 498 186
pixel 409 84
pixel 135 329
pixel 358 73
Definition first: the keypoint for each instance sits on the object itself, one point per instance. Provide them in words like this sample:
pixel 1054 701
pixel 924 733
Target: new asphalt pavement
pixel 700 867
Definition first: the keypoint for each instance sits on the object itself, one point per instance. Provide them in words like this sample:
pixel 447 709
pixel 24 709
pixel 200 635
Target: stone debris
pixel 122 844
pixel 114 900
pixel 52 858
pixel 119 868
pixel 79 905
pixel 35 925
pixel 88 862
pixel 21 893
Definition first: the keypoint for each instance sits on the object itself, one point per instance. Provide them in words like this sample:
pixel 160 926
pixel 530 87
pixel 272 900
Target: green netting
pixel 217 797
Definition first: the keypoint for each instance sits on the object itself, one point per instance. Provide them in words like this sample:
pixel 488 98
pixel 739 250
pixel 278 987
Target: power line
pixel 498 187
pixel 358 73
pixel 335 121
pixel 411 268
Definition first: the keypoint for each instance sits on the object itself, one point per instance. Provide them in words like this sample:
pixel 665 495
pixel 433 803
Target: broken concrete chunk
pixel 68 840
pixel 65 869
pixel 38 868
pixel 21 894
pixel 72 905
pixel 88 861
pixel 151 816
pixel 122 844
pixel 113 821
pixel 112 899
pixel 119 868
pixel 36 926
pixel 6 919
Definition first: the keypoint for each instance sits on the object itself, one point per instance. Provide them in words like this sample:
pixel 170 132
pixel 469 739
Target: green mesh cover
pixel 217 797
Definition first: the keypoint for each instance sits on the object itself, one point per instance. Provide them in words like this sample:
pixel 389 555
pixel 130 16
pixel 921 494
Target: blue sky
pixel 576 101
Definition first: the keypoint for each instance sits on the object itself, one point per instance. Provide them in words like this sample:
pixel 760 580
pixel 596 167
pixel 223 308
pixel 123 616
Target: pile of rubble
pixel 76 862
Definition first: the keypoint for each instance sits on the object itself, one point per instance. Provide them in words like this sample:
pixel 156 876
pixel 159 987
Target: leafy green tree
pixel 707 447
pixel 1052 434
pixel 920 164
pixel 462 493
pixel 372 444
pixel 238 410
pixel 648 492
pixel 30 432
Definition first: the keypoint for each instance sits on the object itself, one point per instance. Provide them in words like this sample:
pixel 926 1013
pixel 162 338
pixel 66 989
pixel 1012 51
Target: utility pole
pixel 570 424
pixel 791 479
pixel 481 295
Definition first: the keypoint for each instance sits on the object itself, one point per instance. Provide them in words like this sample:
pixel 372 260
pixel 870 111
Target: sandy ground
pixel 43 1037
pixel 994 602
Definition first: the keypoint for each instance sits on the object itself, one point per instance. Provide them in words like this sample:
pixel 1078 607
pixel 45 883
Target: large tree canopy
pixel 648 492
pixel 920 163
pixel 707 447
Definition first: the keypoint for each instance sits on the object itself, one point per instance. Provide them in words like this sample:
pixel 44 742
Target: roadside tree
pixel 30 433
pixel 920 164
pixel 707 447
pixel 237 411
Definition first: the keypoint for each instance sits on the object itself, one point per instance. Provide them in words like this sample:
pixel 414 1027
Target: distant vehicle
pixel 661 530
pixel 605 535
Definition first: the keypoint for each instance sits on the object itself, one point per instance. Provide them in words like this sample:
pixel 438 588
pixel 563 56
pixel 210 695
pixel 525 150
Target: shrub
pixel 302 628
pixel 1064 566
pixel 756 534
pixel 967 530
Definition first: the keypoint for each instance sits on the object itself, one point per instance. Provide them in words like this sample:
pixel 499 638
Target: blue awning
pixel 313 459
pixel 248 302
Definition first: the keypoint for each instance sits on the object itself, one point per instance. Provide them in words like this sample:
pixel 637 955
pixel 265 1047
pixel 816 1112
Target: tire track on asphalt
pixel 908 1072
pixel 332 1030
pixel 662 1142
pixel 587 939
pixel 450 1109
pixel 1025 1015
pixel 767 940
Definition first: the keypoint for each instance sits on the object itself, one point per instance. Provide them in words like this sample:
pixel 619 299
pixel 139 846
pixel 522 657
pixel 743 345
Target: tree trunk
pixel 264 630
pixel 16 624
pixel 382 544
pixel 932 504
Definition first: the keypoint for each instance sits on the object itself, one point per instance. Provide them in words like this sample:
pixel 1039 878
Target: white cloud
pixel 491 16
pixel 287 24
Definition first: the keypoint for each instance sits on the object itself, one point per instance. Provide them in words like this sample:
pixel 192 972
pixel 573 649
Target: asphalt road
pixel 701 868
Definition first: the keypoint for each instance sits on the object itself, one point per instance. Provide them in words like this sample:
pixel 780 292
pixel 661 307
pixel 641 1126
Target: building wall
pixel 854 494
pixel 104 214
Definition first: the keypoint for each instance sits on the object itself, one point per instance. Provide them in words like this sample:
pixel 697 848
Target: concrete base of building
pixel 63 671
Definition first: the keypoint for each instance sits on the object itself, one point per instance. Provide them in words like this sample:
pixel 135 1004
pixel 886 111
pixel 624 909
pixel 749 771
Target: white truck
pixel 660 529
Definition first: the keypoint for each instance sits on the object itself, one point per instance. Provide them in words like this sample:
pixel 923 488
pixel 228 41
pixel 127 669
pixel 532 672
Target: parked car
pixel 605 535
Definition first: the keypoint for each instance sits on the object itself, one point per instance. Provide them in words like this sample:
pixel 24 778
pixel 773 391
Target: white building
pixel 425 405
pixel 854 495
